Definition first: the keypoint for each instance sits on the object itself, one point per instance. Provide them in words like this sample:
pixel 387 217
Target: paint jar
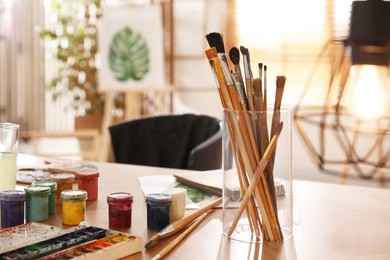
pixel 158 207
pixel 119 210
pixel 178 206
pixel 37 203
pixel 12 207
pixel 73 206
pixel 88 181
pixel 64 182
pixel 53 188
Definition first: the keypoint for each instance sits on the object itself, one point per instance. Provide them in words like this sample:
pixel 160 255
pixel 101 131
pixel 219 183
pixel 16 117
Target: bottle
pixel 178 205
pixel 37 203
pixel 119 210
pixel 88 180
pixel 53 188
pixel 64 182
pixel 73 206
pixel 157 207
pixel 12 207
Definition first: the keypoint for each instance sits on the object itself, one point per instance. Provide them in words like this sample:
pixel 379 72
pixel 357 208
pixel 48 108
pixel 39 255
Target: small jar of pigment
pixel 178 206
pixel 12 207
pixel 74 206
pixel 158 206
pixel 37 203
pixel 64 182
pixel 53 188
pixel 119 210
pixel 88 181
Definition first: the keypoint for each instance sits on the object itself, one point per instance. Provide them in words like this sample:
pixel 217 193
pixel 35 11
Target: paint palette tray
pixel 22 235
pixel 113 247
pixel 77 242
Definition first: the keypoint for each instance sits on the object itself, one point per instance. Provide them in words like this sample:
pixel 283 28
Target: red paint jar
pixel 88 180
pixel 119 210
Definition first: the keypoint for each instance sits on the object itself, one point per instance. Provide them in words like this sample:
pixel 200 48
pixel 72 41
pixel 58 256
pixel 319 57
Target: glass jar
pixel 64 182
pixel 37 203
pixel 119 210
pixel 73 206
pixel 88 181
pixel 53 188
pixel 158 206
pixel 12 207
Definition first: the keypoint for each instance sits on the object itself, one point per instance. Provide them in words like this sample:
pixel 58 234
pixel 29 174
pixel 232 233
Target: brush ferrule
pixel 226 69
pixel 246 67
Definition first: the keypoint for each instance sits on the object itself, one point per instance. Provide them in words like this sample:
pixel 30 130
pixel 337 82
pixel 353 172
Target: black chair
pixel 186 141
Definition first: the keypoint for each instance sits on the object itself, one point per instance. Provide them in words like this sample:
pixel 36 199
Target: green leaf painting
pixel 128 55
pixel 194 194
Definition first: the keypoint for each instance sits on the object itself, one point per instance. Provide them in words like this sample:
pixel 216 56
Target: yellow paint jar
pixel 64 182
pixel 73 206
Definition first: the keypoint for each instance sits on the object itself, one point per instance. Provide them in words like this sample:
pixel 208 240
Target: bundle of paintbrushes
pixel 253 147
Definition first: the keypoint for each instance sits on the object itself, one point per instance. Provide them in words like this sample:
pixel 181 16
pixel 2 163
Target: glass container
pixel 73 206
pixel 119 210
pixel 37 203
pixel 53 188
pixel 12 207
pixel 64 182
pixel 158 207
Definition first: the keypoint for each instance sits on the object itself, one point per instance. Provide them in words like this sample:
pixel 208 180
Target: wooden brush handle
pixel 181 223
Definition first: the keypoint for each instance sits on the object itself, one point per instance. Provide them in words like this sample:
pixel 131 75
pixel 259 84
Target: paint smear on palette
pixel 70 238
pixel 26 234
pixel 113 247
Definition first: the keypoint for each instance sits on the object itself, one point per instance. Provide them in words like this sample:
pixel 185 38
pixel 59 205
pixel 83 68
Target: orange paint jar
pixel 64 182
pixel 88 180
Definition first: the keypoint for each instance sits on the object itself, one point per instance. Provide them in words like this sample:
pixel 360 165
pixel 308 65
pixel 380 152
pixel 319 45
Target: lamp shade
pixel 350 137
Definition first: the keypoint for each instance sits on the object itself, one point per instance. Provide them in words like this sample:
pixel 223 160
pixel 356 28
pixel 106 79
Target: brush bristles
pixel 280 81
pixel 215 40
pixel 245 52
pixel 234 55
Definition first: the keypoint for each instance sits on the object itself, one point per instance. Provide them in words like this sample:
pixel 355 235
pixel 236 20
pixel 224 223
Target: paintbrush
pixel 215 40
pixel 265 89
pixel 181 223
pixel 248 76
pixel 280 83
pixel 256 177
pixel 174 243
pixel 234 55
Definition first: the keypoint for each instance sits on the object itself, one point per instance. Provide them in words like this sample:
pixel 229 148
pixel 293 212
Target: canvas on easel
pixel 131 48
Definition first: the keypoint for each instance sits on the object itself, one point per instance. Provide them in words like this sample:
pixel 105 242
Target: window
pixel 287 35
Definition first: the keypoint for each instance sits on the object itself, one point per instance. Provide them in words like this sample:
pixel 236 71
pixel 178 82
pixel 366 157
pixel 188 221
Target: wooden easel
pixel 133 98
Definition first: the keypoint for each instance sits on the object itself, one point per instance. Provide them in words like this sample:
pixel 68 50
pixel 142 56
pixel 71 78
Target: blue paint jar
pixel 53 188
pixel 158 207
pixel 12 207
pixel 37 203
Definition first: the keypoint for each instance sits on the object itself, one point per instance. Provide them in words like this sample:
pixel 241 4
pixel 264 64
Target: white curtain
pixel 21 66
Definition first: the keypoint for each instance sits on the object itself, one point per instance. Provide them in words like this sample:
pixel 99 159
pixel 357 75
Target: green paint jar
pixel 53 187
pixel 37 203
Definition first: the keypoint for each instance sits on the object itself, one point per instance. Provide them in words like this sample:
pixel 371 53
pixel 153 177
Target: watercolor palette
pixel 113 247
pixel 22 235
pixel 75 242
